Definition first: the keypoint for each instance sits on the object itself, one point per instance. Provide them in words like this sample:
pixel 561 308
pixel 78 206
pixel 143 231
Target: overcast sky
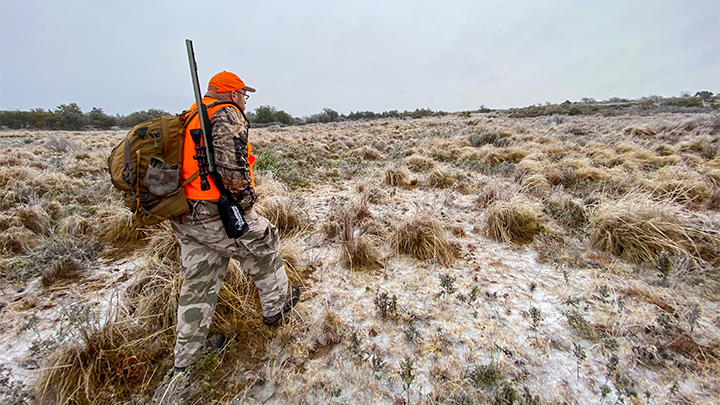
pixel 303 56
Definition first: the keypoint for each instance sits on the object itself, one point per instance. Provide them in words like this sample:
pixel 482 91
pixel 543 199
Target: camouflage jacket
pixel 229 139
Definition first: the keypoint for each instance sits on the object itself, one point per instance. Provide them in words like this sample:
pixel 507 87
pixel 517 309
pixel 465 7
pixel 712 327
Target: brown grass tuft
pixel 515 221
pixel 76 226
pixel 238 313
pixel 292 253
pixel 361 252
pixel 423 237
pixel 568 211
pixel 34 218
pixel 419 163
pixel 9 221
pixel 16 240
pixel 440 177
pixel 536 185
pixel 640 131
pixel 163 243
pixel 117 227
pixel 275 205
pixel 638 227
pixel 65 268
pixel 152 298
pixel 127 354
pixel 106 364
pixel 495 191
pixel 397 176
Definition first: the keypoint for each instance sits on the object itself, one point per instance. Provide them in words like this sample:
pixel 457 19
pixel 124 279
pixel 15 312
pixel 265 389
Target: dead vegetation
pixel 621 211
pixel 638 228
pixel 424 237
pixel 514 221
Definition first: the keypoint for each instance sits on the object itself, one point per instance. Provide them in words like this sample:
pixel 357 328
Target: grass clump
pixel 55 259
pixel 516 221
pixel 568 211
pixel 638 227
pixel 499 139
pixel 34 218
pixel 105 364
pixel 163 243
pixel 419 163
pixel 275 204
pixel 152 298
pixel 16 240
pixel 118 228
pixel 423 237
pixel 361 252
pixel 440 177
pixel 361 243
pixel 536 184
pixel 397 176
pixel 495 191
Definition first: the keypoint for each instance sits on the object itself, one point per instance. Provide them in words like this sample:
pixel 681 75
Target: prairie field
pixel 471 258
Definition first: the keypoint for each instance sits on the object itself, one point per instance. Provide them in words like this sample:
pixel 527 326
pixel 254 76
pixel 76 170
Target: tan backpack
pixel 145 167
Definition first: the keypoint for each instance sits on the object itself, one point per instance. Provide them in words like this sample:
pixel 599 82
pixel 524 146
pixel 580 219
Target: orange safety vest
pixel 190 165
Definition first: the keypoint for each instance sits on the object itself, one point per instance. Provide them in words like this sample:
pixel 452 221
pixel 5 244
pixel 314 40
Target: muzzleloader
pixel 230 214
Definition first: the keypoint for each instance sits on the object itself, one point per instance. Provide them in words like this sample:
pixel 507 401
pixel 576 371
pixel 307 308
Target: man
pixel 205 248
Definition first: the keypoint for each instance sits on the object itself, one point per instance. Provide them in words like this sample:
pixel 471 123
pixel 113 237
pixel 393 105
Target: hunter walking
pixel 205 248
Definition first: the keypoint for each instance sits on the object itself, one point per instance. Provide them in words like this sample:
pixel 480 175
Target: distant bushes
pixel 71 117
pixel 703 101
pixel 268 115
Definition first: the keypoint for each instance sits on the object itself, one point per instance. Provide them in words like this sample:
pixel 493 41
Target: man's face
pixel 239 98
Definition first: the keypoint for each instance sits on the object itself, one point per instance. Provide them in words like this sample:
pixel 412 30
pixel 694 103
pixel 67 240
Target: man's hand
pixel 236 184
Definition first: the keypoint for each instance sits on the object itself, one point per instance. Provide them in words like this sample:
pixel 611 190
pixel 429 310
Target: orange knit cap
pixel 225 82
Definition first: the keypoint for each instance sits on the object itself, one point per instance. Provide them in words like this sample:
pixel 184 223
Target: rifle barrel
pixel 202 111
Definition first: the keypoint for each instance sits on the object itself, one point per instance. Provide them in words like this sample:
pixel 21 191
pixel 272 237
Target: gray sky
pixel 303 56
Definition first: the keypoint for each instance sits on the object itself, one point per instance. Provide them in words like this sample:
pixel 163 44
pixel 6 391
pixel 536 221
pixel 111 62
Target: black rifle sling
pixel 230 214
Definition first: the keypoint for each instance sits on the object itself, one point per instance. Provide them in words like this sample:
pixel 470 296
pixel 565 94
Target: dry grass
pixel 424 237
pixel 536 185
pixel 515 221
pixel 118 228
pixel 397 176
pixel 638 227
pixel 361 252
pixel 106 364
pixel 360 244
pixel 16 240
pixel 567 210
pixel 163 243
pixel 495 191
pixel 76 226
pixel 275 204
pixel 580 167
pixel 34 218
pixel 419 163
pixel 65 268
pixel 440 177
pixel 127 354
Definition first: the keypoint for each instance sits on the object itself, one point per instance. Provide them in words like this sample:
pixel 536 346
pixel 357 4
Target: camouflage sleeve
pixel 230 138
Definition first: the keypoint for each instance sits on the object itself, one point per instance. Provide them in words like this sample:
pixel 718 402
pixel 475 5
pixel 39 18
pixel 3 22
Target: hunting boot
pixel 294 297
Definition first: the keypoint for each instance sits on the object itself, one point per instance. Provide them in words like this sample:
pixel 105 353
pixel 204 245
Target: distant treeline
pixel 268 115
pixel 71 117
pixel 702 101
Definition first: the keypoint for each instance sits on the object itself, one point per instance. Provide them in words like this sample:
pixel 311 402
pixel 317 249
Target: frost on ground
pixel 497 318
pixel 464 259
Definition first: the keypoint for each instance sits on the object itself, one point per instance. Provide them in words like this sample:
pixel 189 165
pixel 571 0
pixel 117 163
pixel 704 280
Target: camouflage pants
pixel 206 252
